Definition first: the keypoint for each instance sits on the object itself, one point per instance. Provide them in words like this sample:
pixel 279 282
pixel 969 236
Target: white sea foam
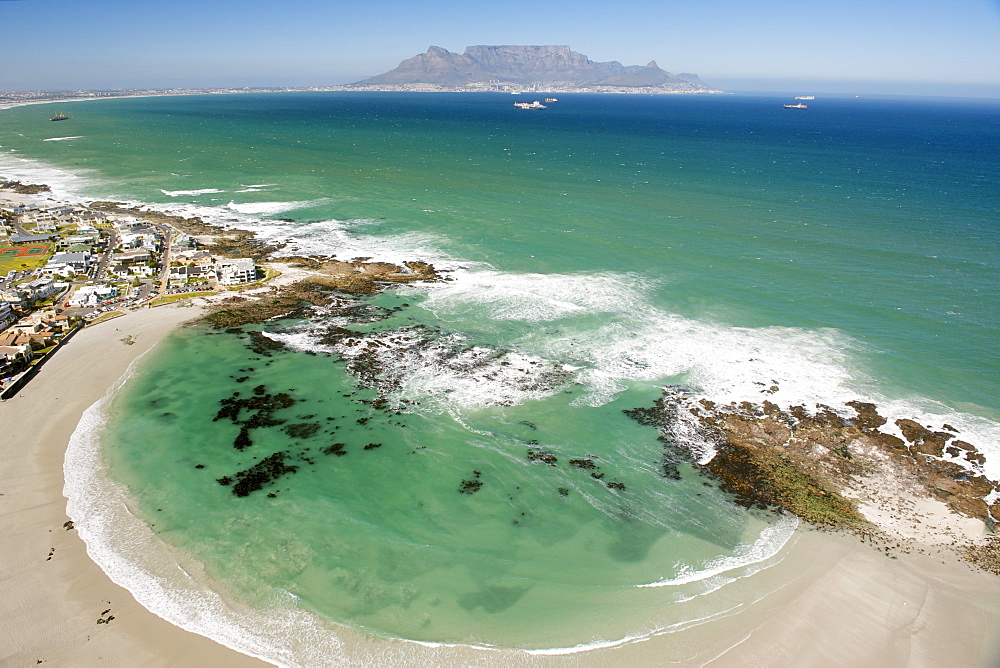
pixel 538 297
pixel 443 373
pixel 63 138
pixel 607 325
pixel 65 184
pixel 767 545
pixel 190 193
pixel 271 208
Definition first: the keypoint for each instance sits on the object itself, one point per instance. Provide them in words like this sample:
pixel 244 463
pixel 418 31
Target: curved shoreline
pixel 50 606
pixel 829 595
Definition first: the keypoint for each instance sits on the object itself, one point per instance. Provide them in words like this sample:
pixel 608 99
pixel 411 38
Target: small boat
pixel 796 106
pixel 59 117
pixel 530 105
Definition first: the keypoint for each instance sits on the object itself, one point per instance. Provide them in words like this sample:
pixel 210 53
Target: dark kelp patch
pixel 262 473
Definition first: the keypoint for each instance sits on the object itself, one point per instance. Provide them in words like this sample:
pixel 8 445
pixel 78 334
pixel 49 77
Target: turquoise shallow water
pixel 600 250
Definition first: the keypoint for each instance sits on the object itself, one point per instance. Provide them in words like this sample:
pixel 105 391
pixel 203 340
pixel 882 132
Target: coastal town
pixel 63 267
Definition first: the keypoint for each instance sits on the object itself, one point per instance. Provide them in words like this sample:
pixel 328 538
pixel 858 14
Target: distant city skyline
pixel 852 46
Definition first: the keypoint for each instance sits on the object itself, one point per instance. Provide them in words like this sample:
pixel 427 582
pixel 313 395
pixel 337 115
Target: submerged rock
pixel 543 456
pixel 263 472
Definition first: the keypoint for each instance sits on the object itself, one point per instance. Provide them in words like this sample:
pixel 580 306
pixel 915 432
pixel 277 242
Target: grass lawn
pixel 169 299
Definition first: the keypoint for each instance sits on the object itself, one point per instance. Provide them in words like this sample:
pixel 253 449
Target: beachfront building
pixel 36 217
pixel 43 322
pixel 235 272
pixel 13 360
pixel 7 316
pixel 188 274
pixel 93 295
pixel 181 240
pixel 31 332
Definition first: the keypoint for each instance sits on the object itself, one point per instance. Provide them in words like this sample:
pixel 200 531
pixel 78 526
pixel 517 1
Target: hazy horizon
pixel 854 47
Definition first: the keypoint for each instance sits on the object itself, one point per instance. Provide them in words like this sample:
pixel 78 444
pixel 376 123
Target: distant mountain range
pixel 556 68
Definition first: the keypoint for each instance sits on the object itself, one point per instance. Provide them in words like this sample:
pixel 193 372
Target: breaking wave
pixel 767 545
pixel 190 193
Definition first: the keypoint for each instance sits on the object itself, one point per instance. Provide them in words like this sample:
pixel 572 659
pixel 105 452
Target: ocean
pixel 465 474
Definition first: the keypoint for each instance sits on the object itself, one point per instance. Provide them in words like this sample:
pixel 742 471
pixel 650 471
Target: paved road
pixel 102 264
pixel 165 259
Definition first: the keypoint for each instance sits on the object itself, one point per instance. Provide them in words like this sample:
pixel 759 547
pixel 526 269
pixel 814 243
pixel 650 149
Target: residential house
pixel 14 360
pixel 235 272
pixel 141 237
pixel 7 316
pixel 67 264
pixel 90 217
pixel 184 274
pixel 40 288
pixel 14 296
pixel 75 239
pixel 193 255
pixel 92 295
pixel 130 257
pixel 28 333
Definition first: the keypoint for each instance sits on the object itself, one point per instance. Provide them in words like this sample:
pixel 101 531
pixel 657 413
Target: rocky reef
pixel 837 468
pixel 24 188
pixel 216 239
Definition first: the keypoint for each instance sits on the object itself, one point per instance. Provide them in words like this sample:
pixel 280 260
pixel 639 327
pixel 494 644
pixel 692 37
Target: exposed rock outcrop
pixel 837 468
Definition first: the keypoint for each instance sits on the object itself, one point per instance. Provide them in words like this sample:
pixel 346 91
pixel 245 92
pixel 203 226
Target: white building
pixel 92 295
pixel 67 264
pixel 7 316
pixel 41 288
pixel 235 272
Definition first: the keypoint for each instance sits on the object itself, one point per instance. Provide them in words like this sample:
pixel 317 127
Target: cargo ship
pixel 59 117
pixel 806 97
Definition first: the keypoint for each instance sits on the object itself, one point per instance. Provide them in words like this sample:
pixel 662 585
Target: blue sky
pixel 862 46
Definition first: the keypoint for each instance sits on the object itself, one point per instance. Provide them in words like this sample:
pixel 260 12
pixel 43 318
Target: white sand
pixel 831 601
pixel 49 607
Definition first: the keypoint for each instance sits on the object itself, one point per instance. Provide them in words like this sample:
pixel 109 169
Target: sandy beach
pixel 830 601
pixel 49 607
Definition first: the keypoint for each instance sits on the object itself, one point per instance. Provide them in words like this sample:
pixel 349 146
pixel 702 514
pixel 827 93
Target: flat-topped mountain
pixel 529 66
